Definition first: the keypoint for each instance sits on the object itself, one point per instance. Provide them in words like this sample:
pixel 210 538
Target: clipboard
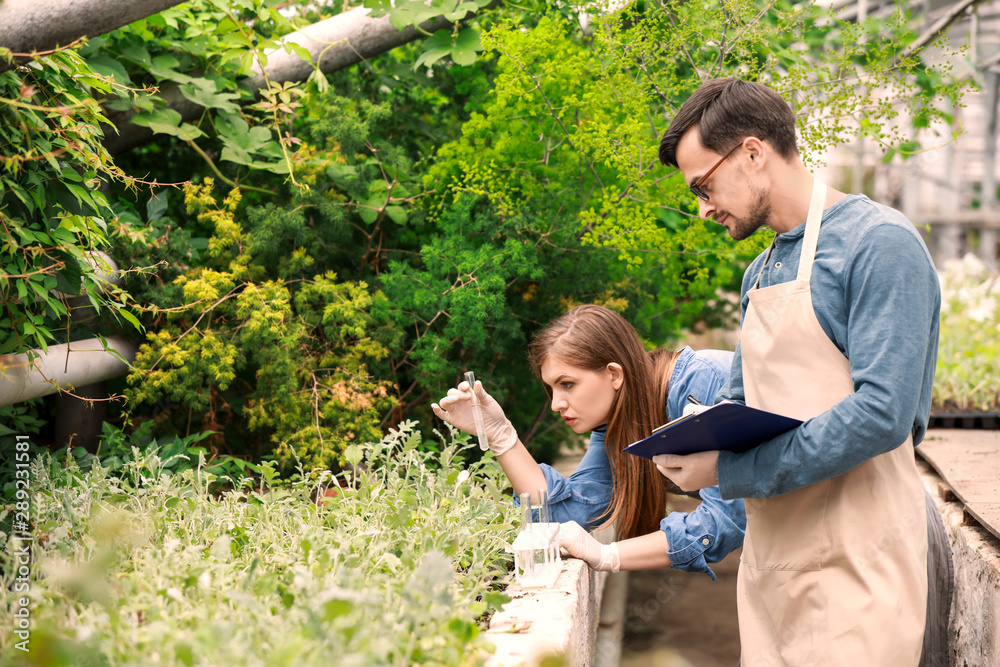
pixel 730 426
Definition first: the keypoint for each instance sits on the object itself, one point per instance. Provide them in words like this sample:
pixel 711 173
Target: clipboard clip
pixel 674 422
pixel 690 399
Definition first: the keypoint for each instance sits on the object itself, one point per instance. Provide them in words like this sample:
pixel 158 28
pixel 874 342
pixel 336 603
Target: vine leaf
pixel 156 207
pixel 466 45
pixel 167 121
pixel 70 278
pixel 206 93
pixel 110 67
pixel 241 143
pixel 398 214
pixel 164 67
pixel 462 11
pixel 436 47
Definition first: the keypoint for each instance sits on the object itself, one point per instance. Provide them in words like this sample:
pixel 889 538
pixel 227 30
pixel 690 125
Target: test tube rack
pixel 537 562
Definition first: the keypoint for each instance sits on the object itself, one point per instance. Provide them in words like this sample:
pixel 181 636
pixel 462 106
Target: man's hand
pixel 690 472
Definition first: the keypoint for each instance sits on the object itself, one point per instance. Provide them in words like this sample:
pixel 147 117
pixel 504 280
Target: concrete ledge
pixel 611 622
pixel 558 623
pixel 975 614
pixel 545 623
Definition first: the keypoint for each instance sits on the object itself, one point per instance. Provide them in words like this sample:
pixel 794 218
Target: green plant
pixel 119 448
pixel 19 418
pixel 968 364
pixel 553 194
pixel 304 339
pixel 52 211
pixel 147 565
pixel 60 187
pixel 397 224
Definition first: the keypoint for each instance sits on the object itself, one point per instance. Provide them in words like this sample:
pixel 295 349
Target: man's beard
pixel 758 216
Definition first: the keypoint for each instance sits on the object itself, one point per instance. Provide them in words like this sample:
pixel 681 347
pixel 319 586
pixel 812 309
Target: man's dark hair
pixel 727 111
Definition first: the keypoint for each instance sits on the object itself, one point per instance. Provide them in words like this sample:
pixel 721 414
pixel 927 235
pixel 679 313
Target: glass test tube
pixel 477 413
pixel 526 519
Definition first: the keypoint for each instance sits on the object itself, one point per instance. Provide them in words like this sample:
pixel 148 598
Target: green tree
pixel 554 194
pixel 369 234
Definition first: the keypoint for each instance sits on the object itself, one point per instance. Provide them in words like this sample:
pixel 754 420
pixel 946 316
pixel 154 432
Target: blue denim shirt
pixel 876 295
pixel 695 539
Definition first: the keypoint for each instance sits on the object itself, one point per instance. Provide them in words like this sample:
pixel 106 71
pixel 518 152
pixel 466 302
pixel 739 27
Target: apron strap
pixel 764 264
pixel 811 236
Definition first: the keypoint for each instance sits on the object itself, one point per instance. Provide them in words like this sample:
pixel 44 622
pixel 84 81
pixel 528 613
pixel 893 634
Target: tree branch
pixel 955 13
pixel 337 42
pixel 28 26
pixel 228 181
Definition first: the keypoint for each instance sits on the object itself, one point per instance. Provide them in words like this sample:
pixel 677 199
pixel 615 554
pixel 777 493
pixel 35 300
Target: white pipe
pixel 99 261
pixel 74 364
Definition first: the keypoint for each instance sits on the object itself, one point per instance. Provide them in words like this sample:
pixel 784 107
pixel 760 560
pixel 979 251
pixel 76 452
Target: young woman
pixel 601 380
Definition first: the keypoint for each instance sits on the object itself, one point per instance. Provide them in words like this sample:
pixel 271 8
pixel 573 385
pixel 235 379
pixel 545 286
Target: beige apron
pixel 833 573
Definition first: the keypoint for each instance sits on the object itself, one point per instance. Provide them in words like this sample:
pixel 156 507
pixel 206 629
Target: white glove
pixel 456 409
pixel 576 542
pixel 693 409
pixel 697 408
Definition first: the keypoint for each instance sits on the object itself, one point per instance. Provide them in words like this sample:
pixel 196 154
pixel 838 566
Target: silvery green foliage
pixel 401 566
pixel 968 365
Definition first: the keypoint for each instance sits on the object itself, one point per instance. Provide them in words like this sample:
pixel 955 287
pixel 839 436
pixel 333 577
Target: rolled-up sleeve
pixel 706 535
pixel 698 374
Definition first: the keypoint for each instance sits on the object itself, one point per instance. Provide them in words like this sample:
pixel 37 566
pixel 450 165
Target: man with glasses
pixel 839 328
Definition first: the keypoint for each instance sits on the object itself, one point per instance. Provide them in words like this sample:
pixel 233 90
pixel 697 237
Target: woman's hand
pixel 456 409
pixel 694 409
pixel 576 542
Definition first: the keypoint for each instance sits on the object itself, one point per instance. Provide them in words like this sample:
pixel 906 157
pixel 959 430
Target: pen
pixel 694 401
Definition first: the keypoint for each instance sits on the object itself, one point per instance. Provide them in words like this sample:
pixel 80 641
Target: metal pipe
pixel 75 364
pixel 988 189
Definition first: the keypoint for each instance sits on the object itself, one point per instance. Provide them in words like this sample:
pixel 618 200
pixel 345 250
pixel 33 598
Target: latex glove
pixel 690 472
pixel 697 408
pixel 456 409
pixel 576 542
pixel 693 409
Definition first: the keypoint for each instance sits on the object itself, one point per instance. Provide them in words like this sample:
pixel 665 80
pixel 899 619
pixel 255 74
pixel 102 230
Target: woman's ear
pixel 617 375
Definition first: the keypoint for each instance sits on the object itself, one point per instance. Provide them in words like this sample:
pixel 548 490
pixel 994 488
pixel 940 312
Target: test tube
pixel 477 413
pixel 526 519
pixel 543 506
pixel 525 556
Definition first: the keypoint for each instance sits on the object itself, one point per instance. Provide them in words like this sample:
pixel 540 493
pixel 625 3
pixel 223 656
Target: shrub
pixel 147 566
pixel 968 367
pixel 296 346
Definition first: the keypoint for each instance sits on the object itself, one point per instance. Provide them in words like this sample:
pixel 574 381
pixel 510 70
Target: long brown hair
pixel 591 337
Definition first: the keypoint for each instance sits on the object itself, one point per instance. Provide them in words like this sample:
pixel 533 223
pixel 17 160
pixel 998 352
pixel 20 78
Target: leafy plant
pixel 197 52
pixel 61 188
pixel 553 195
pixel 118 449
pixel 304 341
pixel 968 364
pixel 148 565
pixel 52 211
pixel 460 44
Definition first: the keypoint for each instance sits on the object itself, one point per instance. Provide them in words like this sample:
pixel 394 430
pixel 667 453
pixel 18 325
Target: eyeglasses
pixel 696 187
